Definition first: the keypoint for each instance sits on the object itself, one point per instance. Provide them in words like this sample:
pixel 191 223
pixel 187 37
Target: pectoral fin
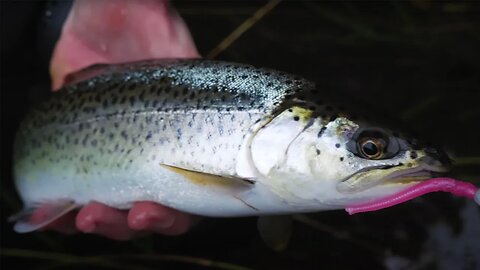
pixel 36 216
pixel 233 186
pixel 275 231
pixel 211 180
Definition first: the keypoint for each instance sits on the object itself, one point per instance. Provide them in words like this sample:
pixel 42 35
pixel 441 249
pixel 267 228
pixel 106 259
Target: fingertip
pixel 149 216
pixel 182 224
pixel 88 216
pixel 146 215
pixel 101 219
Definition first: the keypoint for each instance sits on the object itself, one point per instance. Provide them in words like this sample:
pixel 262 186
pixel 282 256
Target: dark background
pixel 417 60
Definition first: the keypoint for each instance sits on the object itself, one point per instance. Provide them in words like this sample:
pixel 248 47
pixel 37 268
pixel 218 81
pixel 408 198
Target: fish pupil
pixel 370 148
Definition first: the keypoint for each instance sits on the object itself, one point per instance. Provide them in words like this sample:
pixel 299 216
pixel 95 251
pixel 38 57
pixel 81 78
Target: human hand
pixel 113 32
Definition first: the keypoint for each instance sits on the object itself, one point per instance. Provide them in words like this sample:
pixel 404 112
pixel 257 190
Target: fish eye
pixel 371 148
pixel 373 143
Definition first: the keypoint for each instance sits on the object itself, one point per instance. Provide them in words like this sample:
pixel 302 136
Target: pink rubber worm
pixel 456 187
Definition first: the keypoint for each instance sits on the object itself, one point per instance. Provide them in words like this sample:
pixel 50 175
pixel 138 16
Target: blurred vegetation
pixel 417 61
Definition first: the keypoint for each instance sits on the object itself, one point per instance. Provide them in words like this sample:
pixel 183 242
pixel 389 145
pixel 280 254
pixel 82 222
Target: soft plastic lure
pixel 453 186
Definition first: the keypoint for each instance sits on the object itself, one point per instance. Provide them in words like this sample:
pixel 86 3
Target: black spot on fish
pixel 94 143
pixel 102 130
pixel 341 158
pixel 115 124
pixel 111 136
pixel 132 100
pixel 318 152
pixel 337 145
pixel 84 141
pixel 121 89
pixel 413 155
pixel 296 118
pixel 179 134
pixel 148 137
pixel 152 89
pixel 124 134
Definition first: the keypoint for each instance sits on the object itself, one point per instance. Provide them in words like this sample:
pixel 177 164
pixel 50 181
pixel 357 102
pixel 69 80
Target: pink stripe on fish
pixel 456 187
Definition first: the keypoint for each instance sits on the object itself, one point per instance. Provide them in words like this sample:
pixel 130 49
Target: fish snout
pixel 436 160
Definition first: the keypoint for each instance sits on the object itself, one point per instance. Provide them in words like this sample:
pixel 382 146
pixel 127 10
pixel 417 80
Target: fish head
pixel 333 162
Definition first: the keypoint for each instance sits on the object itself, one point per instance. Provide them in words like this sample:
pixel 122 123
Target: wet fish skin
pixel 129 118
pixel 129 109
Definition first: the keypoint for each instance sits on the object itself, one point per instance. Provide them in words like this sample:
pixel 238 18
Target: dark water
pixel 418 61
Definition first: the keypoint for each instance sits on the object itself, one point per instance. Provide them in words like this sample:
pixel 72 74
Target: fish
pixel 206 137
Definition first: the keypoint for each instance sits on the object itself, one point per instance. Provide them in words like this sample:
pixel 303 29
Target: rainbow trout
pixel 205 137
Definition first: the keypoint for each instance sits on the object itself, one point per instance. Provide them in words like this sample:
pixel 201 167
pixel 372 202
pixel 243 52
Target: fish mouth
pixel 399 174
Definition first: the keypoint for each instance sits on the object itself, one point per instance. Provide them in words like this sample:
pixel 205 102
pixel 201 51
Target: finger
pixel 149 216
pixel 100 219
pixel 119 31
